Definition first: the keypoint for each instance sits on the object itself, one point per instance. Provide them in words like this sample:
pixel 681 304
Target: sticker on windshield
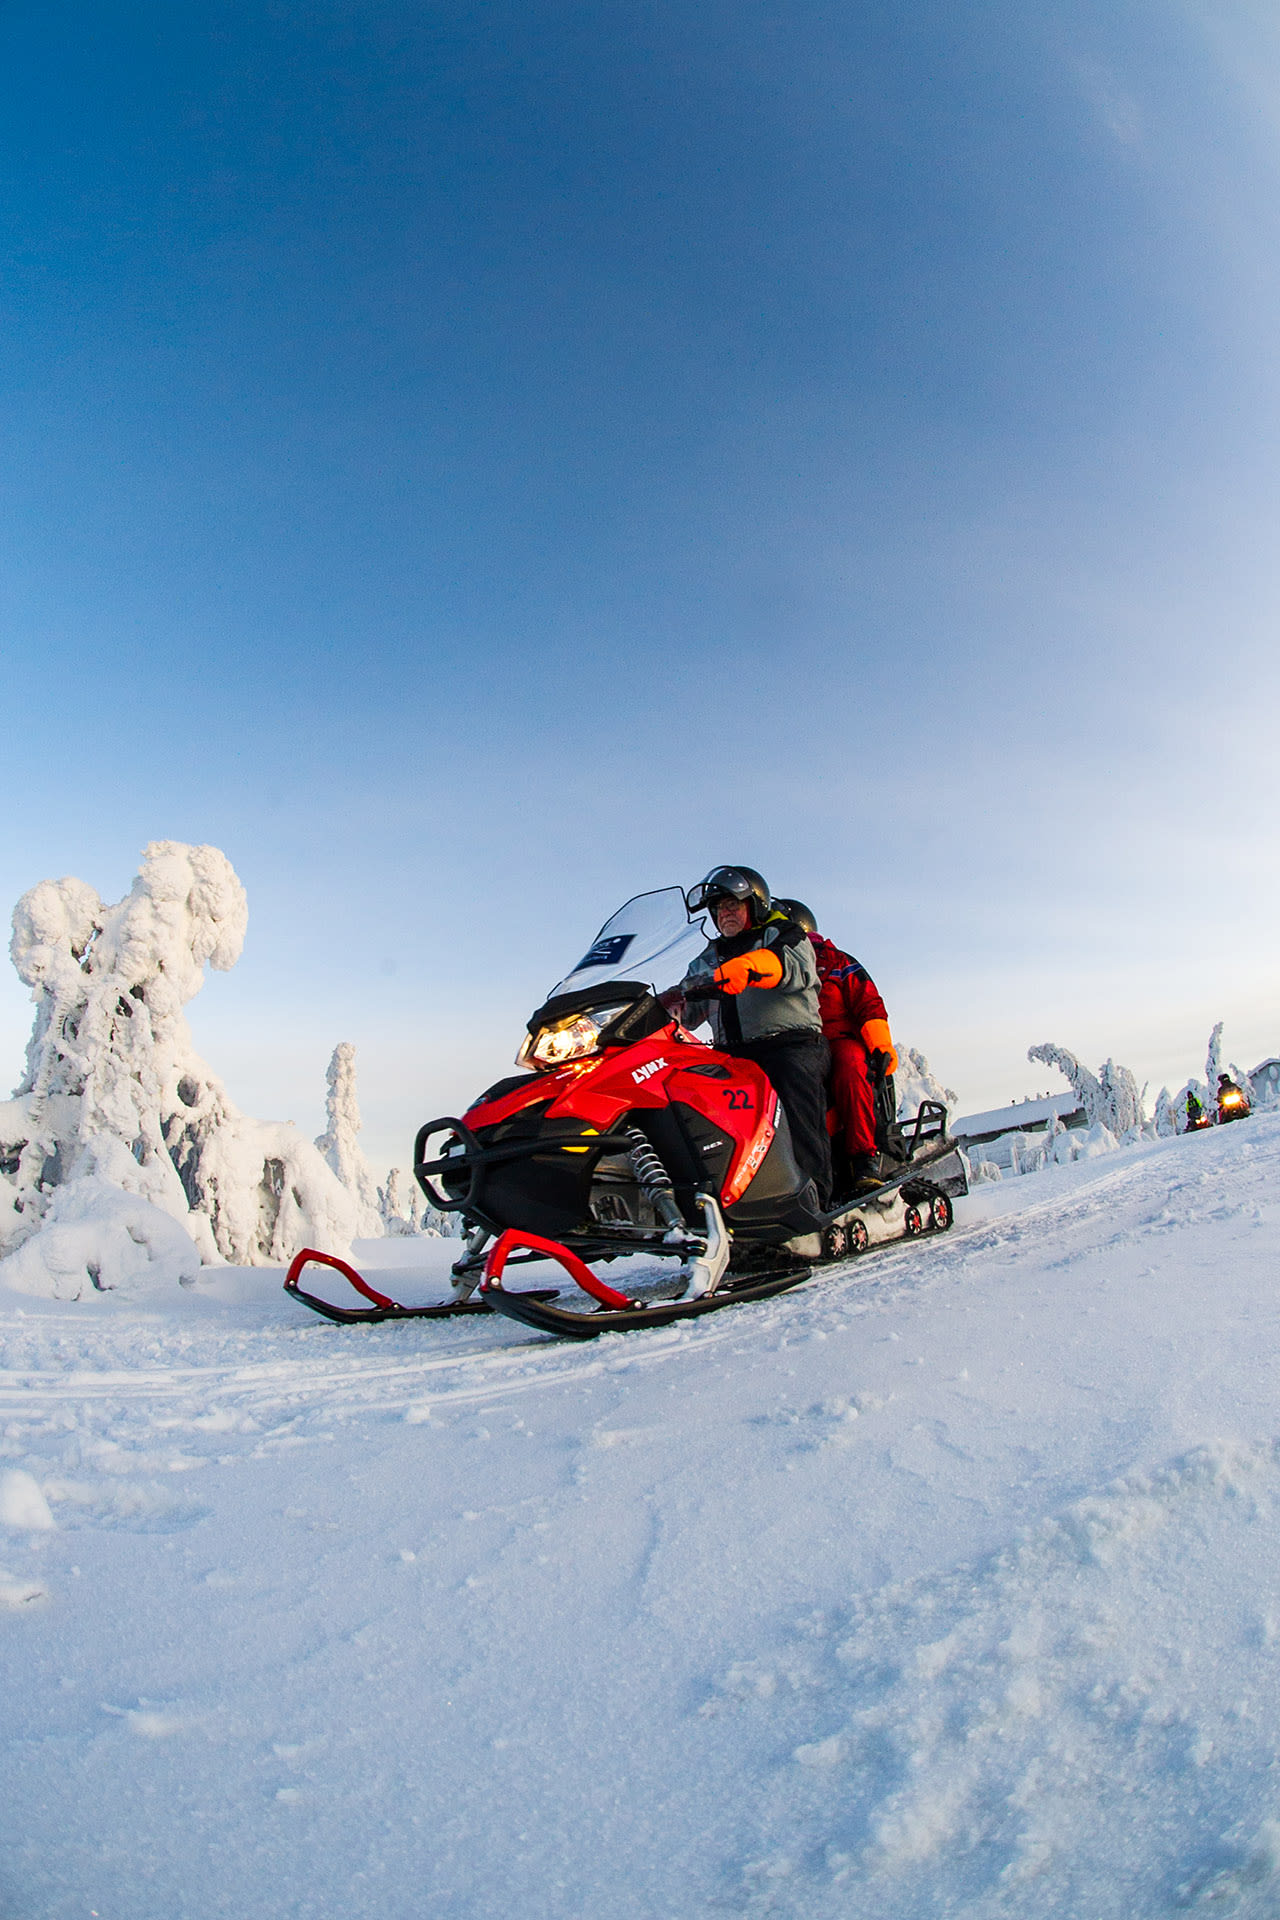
pixel 606 952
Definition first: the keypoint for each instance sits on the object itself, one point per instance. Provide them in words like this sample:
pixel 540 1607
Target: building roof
pixel 1022 1114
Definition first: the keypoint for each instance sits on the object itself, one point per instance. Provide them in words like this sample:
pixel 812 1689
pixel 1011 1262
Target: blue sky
pixel 472 463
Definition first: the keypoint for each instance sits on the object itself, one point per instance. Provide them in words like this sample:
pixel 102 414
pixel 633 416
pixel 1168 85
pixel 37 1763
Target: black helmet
pixel 797 910
pixel 732 883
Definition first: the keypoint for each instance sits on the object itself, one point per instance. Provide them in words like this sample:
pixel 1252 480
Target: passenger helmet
pixel 732 883
pixel 797 910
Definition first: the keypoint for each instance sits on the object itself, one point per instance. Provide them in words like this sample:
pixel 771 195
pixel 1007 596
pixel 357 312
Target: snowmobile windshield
pixel 649 939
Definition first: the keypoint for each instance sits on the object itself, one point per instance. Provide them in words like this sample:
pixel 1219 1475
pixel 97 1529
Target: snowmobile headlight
pixel 573 1038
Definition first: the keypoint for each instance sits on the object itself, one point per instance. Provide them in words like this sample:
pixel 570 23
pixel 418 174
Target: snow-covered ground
pixel 947 1585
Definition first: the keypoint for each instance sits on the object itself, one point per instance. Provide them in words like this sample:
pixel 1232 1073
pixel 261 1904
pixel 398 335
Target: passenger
pixel 763 1004
pixel 863 1056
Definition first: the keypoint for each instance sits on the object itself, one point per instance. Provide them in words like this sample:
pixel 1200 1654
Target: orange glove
pixel 759 969
pixel 875 1038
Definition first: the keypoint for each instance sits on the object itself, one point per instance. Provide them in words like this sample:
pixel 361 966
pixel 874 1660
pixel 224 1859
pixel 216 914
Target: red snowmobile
pixel 1233 1102
pixel 626 1134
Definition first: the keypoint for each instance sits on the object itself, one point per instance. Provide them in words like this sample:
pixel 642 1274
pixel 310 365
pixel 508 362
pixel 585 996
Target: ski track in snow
pixel 949 1584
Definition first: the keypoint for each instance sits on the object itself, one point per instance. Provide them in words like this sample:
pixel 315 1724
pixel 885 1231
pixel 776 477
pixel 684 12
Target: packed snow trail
pixel 948 1584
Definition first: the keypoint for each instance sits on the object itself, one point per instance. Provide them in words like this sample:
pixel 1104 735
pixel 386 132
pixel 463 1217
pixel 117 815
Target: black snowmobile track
pixel 535 1310
pixel 917 1169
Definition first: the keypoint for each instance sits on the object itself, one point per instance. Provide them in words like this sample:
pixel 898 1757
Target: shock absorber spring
pixel 655 1181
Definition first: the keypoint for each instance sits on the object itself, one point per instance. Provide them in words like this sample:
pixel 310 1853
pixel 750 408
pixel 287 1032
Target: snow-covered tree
pixel 1166 1121
pixel 115 1101
pixel 399 1209
pixel 1264 1086
pixel 914 1082
pixel 340 1142
pixel 1052 1134
pixel 1206 1090
pixel 443 1226
pixel 402 1215
pixel 1086 1086
pixel 391 1207
pixel 1110 1098
pixel 1241 1079
pixel 1213 1061
pixel 1122 1097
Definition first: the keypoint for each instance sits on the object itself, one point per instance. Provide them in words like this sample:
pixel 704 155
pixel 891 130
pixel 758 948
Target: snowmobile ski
pixel 614 1311
pixel 383 1307
pixel 535 1310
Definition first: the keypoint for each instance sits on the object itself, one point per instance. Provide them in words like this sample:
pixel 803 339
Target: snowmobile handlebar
pixel 703 990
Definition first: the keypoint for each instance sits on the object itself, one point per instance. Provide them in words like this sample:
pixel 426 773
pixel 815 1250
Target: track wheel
pixel 913 1222
pixel 858 1237
pixel 943 1212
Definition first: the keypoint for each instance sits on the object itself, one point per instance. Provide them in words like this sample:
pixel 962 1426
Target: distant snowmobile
pixel 627 1135
pixel 1197 1118
pixel 1233 1103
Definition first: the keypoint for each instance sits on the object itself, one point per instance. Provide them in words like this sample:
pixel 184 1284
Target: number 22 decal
pixel 739 1099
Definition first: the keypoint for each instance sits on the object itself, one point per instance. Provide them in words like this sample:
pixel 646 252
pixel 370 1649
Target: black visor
pixel 723 883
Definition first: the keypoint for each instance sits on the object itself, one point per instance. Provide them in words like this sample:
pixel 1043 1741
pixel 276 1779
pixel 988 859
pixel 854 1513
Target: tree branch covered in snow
pixel 1110 1098
pixel 914 1082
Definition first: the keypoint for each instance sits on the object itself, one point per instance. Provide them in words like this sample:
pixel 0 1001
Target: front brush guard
pixel 476 1159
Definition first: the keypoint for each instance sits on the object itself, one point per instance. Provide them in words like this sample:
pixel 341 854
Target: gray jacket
pixel 759 1013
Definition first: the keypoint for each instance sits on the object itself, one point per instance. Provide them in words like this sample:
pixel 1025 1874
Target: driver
pixel 759 984
pixel 1232 1101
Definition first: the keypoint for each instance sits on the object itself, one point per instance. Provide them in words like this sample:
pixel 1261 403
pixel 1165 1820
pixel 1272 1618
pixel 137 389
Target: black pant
pixel 797 1064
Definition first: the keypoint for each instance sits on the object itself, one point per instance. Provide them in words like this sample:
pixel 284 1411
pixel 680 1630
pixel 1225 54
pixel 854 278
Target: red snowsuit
pixel 848 1001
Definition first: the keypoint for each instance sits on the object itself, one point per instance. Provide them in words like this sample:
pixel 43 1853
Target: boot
pixel 866 1172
